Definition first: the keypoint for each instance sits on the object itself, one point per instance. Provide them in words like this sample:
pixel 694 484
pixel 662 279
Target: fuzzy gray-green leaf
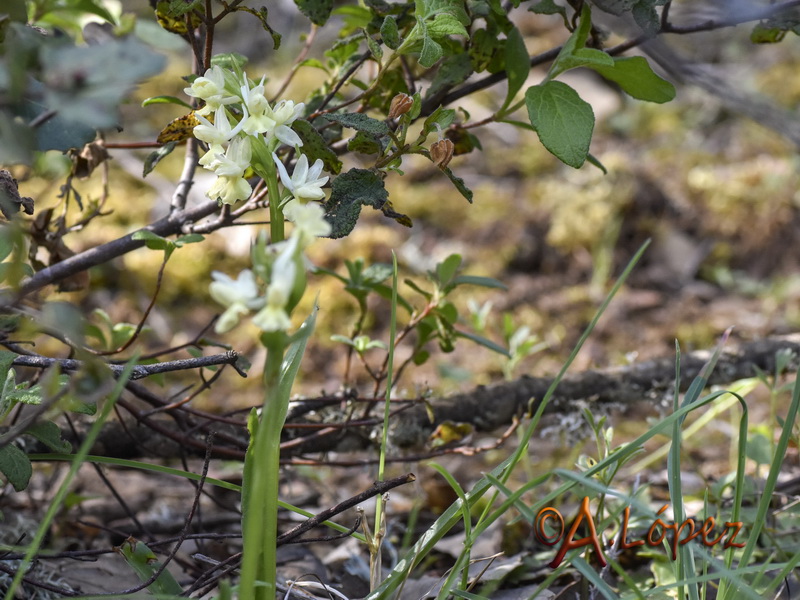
pixel 349 192
pixel 359 122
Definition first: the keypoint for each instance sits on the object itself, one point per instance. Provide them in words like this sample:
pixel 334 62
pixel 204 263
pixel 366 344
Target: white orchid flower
pixel 284 114
pixel 236 159
pixel 208 160
pixel 260 119
pixel 220 131
pixel 210 88
pixel 309 220
pixel 304 184
pixel 273 317
pixel 240 296
pixel 230 190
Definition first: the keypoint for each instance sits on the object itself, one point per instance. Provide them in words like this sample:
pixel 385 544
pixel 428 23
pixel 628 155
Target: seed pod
pixel 400 105
pixel 442 152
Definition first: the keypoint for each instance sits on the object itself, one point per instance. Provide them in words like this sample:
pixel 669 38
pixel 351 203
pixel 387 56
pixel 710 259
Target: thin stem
pixel 375 573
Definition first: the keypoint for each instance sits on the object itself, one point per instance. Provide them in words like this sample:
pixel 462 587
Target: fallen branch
pixel 486 408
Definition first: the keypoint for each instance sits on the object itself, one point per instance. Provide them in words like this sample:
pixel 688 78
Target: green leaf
pixel 773 29
pixel 365 143
pixel 8 235
pixel 452 71
pixel 230 61
pixel 634 75
pixel 445 24
pixel 585 57
pixel 49 434
pixel 443 117
pixel 7 382
pixel 156 156
pixel 646 17
pixel 349 192
pixel 76 405
pixel 6 360
pixel 488 282
pixel 390 33
pixel 359 122
pixel 344 50
pixel 518 64
pixel 431 52
pixel 563 121
pixel 615 7
pixel 446 269
pixel 486 343
pixel 343 339
pixel 318 11
pixel 178 8
pixel 355 17
pixel 315 146
pixel 121 333
pixel 313 62
pixel 94 8
pixel 145 564
pixel 151 240
pixel 482 49
pixel 294 353
pixel 191 238
pixel 421 357
pixel 447 311
pixel 761 34
pixel 15 466
pixel 410 283
pixel 15 11
pixel 262 14
pixel 575 42
pixel 165 100
pixel 758 449
pixel 374 47
pixel 384 291
pixel 549 7
pixel 377 273
pixel 459 183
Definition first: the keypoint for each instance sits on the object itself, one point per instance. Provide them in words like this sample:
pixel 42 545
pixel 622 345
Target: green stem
pixel 261 486
pixel 276 230
pixel 375 551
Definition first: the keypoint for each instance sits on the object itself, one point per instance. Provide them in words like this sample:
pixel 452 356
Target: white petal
pixel 287 136
pixel 315 170
pixel 285 179
pixel 300 171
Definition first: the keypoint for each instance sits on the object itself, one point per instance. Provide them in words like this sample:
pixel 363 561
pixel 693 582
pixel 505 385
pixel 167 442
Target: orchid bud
pixel 400 105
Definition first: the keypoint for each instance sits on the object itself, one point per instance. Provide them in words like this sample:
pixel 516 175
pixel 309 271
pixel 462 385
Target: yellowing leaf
pixel 179 129
pixel 172 15
pixel 449 433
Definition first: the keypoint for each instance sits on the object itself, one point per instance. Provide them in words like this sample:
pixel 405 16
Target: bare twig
pixel 139 371
pixel 380 487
